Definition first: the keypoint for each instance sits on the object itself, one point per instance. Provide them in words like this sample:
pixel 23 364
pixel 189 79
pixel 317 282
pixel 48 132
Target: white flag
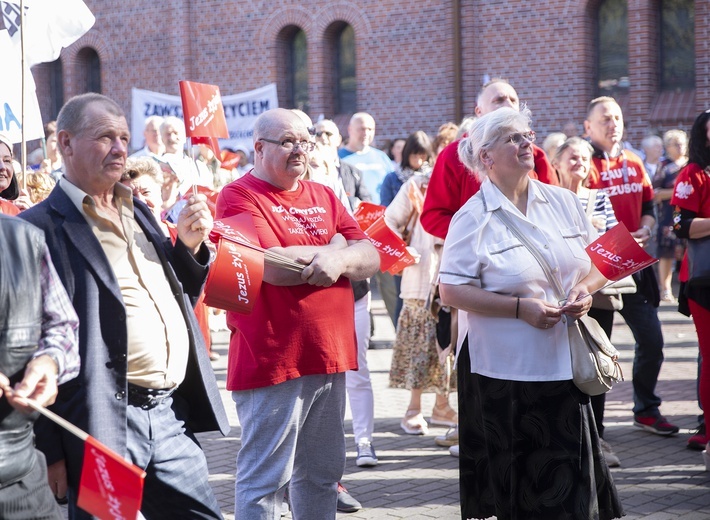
pixel 50 25
pixel 11 96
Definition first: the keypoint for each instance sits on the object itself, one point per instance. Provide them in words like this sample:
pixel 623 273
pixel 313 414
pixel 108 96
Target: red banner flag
pixel 203 113
pixel 235 277
pixel 237 228
pixel 367 214
pixel 393 251
pixel 111 488
pixel 617 254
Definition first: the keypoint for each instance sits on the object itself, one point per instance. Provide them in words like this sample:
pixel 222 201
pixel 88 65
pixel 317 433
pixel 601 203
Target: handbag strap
pixel 510 224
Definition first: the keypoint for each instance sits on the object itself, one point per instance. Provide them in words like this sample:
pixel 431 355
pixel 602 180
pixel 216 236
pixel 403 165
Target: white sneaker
pixel 366 457
pixel 611 459
pixel 454 451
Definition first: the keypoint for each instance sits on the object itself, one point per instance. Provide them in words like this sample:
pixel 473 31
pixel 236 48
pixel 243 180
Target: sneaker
pixel 454 451
pixel 450 439
pixel 655 424
pixel 366 456
pixel 346 503
pixel 611 459
pixel 698 440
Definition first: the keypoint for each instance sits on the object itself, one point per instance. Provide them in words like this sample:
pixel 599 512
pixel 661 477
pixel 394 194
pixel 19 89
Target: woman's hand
pixel 539 313
pixel 578 303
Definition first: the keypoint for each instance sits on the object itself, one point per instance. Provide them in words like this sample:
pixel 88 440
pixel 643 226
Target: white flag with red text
pixel 11 96
pixel 50 25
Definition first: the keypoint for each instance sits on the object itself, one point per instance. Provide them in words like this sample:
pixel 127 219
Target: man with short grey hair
pixel 152 138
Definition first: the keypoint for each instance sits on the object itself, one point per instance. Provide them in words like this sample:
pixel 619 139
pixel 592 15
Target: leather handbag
pixel 699 262
pixel 609 298
pixel 595 361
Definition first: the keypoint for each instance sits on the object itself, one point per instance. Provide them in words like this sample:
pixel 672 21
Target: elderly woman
pixel 528 444
pixel 670 247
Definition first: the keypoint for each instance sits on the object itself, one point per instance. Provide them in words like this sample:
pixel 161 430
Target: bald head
pixel 361 132
pixel 495 94
pixel 271 122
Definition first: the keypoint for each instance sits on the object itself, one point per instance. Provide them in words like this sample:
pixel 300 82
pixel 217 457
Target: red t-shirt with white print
pixel 624 180
pixel 298 330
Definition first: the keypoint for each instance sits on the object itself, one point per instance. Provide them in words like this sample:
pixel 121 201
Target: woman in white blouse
pixel 528 444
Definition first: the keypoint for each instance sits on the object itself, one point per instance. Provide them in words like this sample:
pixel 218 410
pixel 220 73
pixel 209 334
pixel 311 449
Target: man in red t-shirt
pixel 620 173
pixel 452 184
pixel 288 358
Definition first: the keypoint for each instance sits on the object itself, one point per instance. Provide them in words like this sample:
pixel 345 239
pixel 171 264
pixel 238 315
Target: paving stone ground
pixel 659 479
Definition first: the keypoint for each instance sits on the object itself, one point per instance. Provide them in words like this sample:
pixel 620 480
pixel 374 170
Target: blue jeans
pixel 642 318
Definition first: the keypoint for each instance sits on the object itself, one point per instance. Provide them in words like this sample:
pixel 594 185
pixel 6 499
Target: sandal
pixel 444 416
pixel 414 423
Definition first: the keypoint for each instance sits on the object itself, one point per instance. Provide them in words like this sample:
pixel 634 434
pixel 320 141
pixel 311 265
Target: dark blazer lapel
pixel 79 233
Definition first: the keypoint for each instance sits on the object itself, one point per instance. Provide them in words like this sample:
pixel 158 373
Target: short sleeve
pixel 460 262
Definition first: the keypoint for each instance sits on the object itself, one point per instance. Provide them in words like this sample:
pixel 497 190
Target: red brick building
pixel 412 66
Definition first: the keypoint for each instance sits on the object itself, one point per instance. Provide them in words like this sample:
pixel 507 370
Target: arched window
pixel 292 62
pixel 677 49
pixel 345 80
pixel 89 70
pixel 56 87
pixel 612 48
pixel 299 71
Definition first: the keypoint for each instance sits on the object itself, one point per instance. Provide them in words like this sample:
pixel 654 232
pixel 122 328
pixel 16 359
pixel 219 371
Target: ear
pixel 486 158
pixel 477 111
pixel 586 126
pixel 64 143
pixel 258 149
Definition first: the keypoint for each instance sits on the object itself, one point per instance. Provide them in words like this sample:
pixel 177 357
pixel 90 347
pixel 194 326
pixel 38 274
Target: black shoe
pixel 346 503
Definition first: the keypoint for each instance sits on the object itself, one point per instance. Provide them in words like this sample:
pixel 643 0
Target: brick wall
pixel 405 55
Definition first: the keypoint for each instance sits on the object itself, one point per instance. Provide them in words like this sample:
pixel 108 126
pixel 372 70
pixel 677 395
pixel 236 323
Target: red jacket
pixel 452 184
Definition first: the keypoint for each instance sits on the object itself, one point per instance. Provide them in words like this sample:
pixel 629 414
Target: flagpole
pixel 23 144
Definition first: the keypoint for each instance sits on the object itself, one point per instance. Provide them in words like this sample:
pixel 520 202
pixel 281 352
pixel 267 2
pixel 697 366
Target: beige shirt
pixel 158 342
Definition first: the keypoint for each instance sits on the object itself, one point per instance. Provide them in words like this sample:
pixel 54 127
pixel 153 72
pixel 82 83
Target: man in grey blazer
pixel 146 384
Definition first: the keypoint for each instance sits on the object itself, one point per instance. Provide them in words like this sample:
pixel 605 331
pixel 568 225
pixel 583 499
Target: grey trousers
pixel 293 432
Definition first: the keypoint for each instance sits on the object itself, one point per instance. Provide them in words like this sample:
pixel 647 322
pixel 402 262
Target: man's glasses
pixel 517 139
pixel 289 144
pixel 324 132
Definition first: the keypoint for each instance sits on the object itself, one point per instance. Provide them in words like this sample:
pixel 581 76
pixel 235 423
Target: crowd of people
pixel 124 255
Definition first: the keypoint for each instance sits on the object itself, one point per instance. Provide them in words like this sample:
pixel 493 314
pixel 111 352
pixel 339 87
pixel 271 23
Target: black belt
pixel 147 398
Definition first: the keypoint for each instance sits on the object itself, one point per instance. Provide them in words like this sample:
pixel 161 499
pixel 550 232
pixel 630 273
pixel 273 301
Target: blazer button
pixel 120 395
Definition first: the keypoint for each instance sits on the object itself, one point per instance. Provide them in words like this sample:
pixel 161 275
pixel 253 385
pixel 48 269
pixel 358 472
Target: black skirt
pixel 530 450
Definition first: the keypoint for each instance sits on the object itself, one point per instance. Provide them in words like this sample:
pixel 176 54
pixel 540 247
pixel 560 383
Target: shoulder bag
pixel 595 365
pixel 609 298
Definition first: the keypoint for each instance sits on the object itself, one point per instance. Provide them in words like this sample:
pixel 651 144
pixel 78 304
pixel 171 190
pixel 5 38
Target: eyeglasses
pixel 289 144
pixel 320 134
pixel 518 138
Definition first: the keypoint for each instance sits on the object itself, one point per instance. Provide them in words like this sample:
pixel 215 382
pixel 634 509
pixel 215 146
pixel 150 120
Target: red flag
pixel 617 254
pixel 393 251
pixel 203 113
pixel 235 277
pixel 229 160
pixel 367 213
pixel 111 488
pixel 238 228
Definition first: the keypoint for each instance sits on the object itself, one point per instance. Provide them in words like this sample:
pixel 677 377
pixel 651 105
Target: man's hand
pixel 642 235
pixel 324 269
pixel 194 222
pixel 39 384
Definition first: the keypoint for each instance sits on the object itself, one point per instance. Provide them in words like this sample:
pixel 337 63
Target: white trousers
pixel 357 382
